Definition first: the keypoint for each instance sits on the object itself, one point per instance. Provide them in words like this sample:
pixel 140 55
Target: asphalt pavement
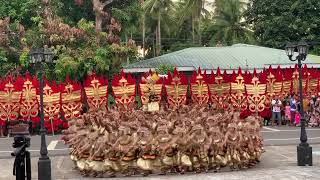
pixel 277 163
pixel 273 136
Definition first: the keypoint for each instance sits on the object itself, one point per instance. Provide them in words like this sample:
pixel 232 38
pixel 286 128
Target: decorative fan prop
pixel 295 79
pixel 71 100
pixel 29 104
pixel 176 87
pixel 312 81
pixel 96 91
pixel 9 100
pixel 199 88
pixel 51 105
pixel 124 91
pixel 256 91
pixel 287 82
pixel 238 95
pixel 219 89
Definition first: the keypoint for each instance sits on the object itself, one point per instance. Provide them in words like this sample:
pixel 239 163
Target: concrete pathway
pixel 277 163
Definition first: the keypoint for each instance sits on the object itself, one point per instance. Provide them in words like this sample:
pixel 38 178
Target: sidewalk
pixel 277 163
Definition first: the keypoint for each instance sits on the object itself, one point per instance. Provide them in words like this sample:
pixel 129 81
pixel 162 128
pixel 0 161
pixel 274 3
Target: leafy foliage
pixel 72 12
pixel 20 10
pixel 230 29
pixel 275 21
pixel 129 16
pixel 5 64
pixel 164 68
pixel 194 11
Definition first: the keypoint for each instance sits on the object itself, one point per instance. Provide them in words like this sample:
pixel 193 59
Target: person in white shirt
pixel 276 110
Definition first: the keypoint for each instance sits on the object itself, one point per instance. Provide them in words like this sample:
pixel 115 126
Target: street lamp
pixel 304 151
pixel 40 57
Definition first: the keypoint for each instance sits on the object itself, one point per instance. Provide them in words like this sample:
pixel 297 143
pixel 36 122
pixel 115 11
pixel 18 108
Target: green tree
pixel 275 21
pixel 164 69
pixel 129 17
pixel 229 22
pixel 11 44
pixel 72 11
pixel 20 10
pixel 208 31
pixel 5 64
pixel 82 58
pixel 158 9
pixel 193 10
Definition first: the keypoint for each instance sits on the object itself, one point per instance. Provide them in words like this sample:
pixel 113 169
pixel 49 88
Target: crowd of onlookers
pixel 286 110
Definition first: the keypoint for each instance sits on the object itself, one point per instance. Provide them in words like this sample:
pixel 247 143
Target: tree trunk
pixel 100 14
pixel 143 35
pixel 159 34
pixel 154 44
pixel 192 24
pixel 199 30
pixel 98 25
pixel 201 5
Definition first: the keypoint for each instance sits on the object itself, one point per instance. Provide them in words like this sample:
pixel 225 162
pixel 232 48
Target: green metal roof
pixel 229 58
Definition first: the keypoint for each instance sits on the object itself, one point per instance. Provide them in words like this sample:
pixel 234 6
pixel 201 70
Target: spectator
pixel 276 110
pixel 315 113
pixel 297 119
pixel 287 113
pixel 293 108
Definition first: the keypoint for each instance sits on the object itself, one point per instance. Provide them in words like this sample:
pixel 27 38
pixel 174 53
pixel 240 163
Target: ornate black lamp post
pixel 304 151
pixel 39 57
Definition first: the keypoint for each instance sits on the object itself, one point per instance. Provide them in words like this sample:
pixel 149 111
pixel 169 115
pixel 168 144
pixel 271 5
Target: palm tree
pixel 228 22
pixel 157 9
pixel 143 31
pixel 195 9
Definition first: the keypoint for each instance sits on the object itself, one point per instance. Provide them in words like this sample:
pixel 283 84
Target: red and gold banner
pixel 312 82
pixel 295 79
pixel 176 87
pixel 238 95
pixel 219 89
pixel 243 91
pixel 71 99
pixel 9 100
pixel 256 91
pixel 150 88
pixel 96 90
pixel 51 105
pixel 124 91
pixel 29 104
pixel 199 88
pixel 274 83
pixel 287 75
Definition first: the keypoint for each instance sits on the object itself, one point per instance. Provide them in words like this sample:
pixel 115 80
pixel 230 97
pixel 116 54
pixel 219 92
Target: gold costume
pixel 191 138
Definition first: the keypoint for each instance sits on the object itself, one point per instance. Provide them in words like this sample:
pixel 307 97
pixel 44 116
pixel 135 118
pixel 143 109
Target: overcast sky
pixel 208 4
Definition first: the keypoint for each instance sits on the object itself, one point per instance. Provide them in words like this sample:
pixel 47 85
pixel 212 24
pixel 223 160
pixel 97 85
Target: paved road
pixel 284 135
pixel 273 136
pixel 277 163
